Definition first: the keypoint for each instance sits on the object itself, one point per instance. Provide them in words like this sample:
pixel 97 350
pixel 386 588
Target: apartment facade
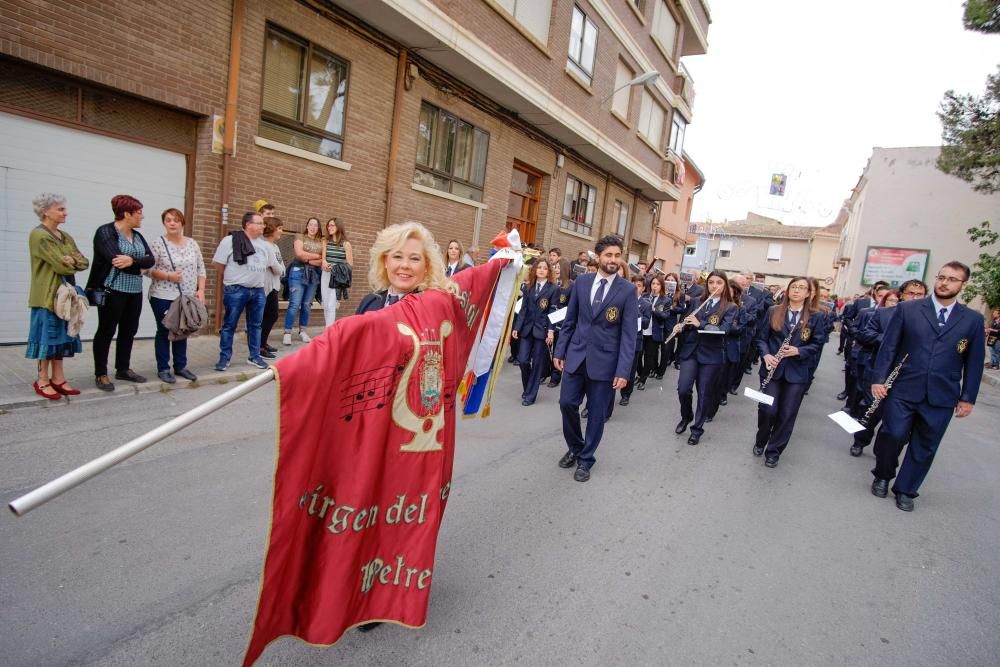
pixel 671 237
pixel 471 116
pixel 905 218
pixel 766 247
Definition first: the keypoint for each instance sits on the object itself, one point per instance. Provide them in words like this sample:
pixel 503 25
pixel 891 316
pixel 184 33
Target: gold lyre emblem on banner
pixel 424 427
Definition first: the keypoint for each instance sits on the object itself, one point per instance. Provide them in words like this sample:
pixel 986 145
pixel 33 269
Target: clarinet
pixel 780 355
pixel 888 385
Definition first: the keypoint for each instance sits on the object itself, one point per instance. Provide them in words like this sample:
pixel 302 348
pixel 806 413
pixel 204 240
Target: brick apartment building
pixel 467 115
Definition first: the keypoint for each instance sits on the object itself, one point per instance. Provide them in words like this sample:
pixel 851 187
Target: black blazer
pixel 374 301
pixel 663 318
pixel 105 250
pixel 533 318
pixel 809 339
pixel 462 266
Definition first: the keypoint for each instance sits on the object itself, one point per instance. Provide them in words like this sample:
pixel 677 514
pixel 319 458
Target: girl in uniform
pixel 788 338
pixel 654 351
pixel 701 354
pixel 562 273
pixel 533 329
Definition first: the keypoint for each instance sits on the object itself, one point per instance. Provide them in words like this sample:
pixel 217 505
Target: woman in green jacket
pixel 54 259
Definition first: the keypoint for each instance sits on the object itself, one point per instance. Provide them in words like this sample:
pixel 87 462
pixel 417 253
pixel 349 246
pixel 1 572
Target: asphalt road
pixel 671 554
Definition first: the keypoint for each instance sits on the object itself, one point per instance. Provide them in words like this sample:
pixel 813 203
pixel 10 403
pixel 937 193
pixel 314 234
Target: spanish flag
pixel 366 441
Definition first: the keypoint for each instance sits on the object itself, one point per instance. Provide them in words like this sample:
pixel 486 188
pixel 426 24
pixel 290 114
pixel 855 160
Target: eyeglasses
pixel 909 293
pixel 798 287
pixel 949 279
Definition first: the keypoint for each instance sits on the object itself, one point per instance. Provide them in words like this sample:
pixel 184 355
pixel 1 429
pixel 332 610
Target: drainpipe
pixel 229 136
pixel 397 115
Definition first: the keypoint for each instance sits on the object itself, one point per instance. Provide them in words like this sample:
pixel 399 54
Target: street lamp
pixel 640 80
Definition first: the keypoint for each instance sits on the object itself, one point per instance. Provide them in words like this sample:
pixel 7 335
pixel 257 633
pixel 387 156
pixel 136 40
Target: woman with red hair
pixel 120 256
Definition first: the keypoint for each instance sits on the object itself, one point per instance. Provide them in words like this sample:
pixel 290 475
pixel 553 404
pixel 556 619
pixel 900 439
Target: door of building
pixel 522 203
pixel 88 169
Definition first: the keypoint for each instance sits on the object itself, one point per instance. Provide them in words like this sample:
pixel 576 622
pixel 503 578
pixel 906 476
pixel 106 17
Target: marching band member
pixel 819 305
pixel 944 344
pixel 787 338
pixel 853 367
pixel 636 380
pixel 701 355
pixel 533 328
pixel 867 341
pixel 563 274
pixel 655 353
pixel 731 347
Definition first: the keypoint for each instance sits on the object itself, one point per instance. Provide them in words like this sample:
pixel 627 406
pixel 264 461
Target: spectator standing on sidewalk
pixel 304 277
pixel 245 259
pixel 54 258
pixel 273 229
pixel 120 256
pixel 993 339
pixel 336 250
pixel 179 269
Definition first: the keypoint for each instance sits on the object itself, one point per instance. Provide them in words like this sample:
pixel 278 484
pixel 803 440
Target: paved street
pixel 670 555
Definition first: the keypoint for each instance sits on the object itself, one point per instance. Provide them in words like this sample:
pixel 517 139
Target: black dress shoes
pixel 771 461
pixel 582 474
pixel 640 385
pixel 724 401
pixel 368 627
pixel 856 450
pixel 552 384
pixel 693 439
pixel 130 375
pixel 624 401
pixel 585 413
pixel 186 374
pixel 526 402
pixel 904 502
pixel 682 426
pixel 842 395
pixel 568 460
pixel 758 450
pixel 734 391
pixel 880 488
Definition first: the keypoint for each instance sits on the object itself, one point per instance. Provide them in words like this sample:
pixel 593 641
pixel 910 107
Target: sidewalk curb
pixel 123 388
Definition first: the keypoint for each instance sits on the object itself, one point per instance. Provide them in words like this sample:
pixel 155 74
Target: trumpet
pixel 888 385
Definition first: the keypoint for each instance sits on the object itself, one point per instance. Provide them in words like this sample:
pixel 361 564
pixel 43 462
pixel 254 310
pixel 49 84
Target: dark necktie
pixel 941 317
pixel 795 317
pixel 538 289
pixel 393 298
pixel 599 297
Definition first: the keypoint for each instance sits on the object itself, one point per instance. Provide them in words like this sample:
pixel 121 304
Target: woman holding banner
pixel 788 338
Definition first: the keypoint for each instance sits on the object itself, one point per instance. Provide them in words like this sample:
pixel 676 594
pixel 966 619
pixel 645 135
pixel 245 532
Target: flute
pixel 888 385
pixel 696 310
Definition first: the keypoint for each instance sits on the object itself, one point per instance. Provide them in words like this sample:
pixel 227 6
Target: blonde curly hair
pixel 392 239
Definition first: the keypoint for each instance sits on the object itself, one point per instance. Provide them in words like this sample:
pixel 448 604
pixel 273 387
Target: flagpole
pixel 74 478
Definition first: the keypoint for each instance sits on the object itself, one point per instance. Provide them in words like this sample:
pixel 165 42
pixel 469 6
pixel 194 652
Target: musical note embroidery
pixel 370 390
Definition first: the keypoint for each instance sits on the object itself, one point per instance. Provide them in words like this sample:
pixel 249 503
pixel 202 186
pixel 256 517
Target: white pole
pixel 74 478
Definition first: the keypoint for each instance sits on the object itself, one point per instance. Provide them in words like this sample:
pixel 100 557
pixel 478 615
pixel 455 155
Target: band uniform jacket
pixel 870 336
pixel 708 348
pixel 646 316
pixel 660 311
pixel 604 339
pixel 808 339
pixel 736 334
pixel 536 305
pixel 945 365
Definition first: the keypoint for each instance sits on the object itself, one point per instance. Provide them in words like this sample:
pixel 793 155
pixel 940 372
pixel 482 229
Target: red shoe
pixel 61 388
pixel 40 390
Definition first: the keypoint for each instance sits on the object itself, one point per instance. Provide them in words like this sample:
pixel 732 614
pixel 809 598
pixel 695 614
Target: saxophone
pixel 888 385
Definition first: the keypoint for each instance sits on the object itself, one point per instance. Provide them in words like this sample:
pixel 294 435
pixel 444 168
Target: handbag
pixel 98 296
pixel 175 306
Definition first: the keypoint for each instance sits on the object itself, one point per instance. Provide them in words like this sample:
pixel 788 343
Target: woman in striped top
pixel 336 250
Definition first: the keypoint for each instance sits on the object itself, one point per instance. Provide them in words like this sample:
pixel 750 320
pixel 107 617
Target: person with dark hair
pixel 938 347
pixel 701 353
pixel 993 339
pixel 267 211
pixel 555 256
pixel 532 327
pixel 852 368
pixel 787 338
pixel 561 273
pixel 179 269
pixel 639 370
pixel 337 252
pixel 731 354
pixel 54 259
pixel 679 306
pixel 654 352
pixel 304 278
pixel 848 324
pixel 244 257
pixel 273 229
pixel 595 353
pixel 120 256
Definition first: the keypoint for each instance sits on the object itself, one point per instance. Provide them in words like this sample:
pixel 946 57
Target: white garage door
pixel 89 169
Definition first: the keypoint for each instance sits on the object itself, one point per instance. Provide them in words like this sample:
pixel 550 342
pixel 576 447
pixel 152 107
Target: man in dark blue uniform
pixel 595 352
pixel 945 345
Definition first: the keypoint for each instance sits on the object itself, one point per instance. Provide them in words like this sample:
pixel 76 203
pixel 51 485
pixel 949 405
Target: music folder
pixel 758 396
pixel 846 422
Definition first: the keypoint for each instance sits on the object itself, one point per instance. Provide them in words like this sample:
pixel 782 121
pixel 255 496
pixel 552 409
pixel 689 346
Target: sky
pixel 807 88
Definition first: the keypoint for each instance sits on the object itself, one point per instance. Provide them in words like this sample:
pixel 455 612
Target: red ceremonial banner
pixel 366 445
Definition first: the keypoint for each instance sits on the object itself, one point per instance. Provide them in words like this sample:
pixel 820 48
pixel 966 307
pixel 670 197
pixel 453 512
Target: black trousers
pixel 775 422
pixel 703 376
pixel 635 375
pixel 270 316
pixel 120 313
pixel 667 356
pixel 652 351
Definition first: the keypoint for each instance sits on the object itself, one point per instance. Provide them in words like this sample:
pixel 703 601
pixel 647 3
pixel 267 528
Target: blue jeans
pixel 995 354
pixel 236 299
pixel 164 345
pixel 300 297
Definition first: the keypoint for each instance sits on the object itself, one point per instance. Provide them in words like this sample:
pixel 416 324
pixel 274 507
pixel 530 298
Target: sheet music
pixel 707 331
pixel 758 396
pixel 558 316
pixel 846 422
